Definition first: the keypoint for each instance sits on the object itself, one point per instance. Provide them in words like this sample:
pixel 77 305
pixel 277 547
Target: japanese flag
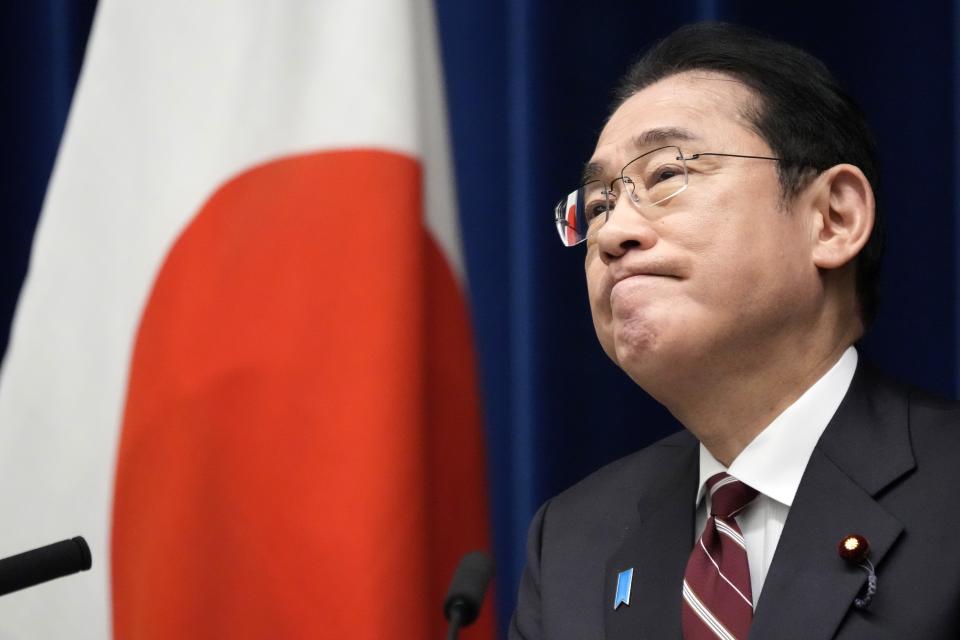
pixel 241 365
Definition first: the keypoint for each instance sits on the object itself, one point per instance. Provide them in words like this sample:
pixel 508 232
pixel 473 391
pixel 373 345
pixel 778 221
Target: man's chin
pixel 635 344
pixel 649 356
pixel 635 336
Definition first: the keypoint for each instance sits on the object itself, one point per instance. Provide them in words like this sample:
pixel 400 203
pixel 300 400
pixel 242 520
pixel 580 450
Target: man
pixel 732 250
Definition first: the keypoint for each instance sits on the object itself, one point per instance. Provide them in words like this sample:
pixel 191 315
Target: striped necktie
pixel 717 600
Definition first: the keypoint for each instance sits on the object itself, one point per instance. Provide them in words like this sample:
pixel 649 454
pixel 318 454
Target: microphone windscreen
pixel 46 563
pixel 468 586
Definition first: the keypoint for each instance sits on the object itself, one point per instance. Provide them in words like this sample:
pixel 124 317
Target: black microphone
pixel 46 563
pixel 465 595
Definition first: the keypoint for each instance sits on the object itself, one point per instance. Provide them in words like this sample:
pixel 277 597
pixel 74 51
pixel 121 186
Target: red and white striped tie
pixel 717 600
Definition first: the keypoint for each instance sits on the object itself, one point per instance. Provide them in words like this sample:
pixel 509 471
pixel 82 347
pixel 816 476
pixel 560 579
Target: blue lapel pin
pixel 624 582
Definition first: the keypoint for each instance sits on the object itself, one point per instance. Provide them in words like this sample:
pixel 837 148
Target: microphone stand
pixel 456 615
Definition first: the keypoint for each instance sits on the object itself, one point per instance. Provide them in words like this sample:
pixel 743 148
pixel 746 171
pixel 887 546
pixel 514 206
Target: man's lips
pixel 641 274
pixel 655 271
pixel 633 276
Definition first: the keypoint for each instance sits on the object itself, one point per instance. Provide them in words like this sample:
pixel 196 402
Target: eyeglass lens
pixel 651 179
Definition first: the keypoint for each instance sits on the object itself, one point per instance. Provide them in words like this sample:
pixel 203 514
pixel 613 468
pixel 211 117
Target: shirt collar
pixel 773 463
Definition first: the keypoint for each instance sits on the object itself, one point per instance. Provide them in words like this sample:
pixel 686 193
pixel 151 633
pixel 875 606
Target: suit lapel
pixel 809 588
pixel 656 548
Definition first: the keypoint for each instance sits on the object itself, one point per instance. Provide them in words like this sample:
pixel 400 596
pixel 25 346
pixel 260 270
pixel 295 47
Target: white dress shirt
pixel 773 464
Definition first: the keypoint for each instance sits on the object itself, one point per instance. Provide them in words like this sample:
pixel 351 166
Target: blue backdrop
pixel 529 83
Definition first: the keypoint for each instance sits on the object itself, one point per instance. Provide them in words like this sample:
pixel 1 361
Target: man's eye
pixel 666 172
pixel 595 209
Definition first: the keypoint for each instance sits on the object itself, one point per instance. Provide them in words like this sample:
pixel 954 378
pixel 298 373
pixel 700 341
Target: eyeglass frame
pixel 561 222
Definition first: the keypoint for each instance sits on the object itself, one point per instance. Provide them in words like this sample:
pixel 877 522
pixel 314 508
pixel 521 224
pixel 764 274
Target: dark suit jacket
pixel 887 467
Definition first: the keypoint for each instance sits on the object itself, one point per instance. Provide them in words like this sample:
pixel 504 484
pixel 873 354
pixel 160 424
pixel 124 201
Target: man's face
pixel 717 274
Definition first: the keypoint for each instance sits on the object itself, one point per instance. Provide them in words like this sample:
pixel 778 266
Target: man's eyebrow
pixel 650 138
pixel 662 135
pixel 590 172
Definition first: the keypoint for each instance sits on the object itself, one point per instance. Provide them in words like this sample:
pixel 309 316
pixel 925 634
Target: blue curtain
pixel 529 84
pixel 41 50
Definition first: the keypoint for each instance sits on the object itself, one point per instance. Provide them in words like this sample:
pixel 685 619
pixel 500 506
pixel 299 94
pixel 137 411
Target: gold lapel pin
pixel 855 549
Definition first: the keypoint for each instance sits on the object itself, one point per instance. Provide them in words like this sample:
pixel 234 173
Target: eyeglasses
pixel 649 180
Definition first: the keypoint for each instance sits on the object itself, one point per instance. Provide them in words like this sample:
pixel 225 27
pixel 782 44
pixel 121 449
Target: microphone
pixel 465 595
pixel 46 563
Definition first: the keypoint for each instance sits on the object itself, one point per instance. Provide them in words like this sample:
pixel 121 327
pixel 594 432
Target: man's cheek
pixel 595 288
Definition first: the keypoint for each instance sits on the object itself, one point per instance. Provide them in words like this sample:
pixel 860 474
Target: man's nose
pixel 626 228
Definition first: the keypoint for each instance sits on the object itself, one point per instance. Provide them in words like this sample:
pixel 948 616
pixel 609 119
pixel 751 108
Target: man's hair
pixel 804 115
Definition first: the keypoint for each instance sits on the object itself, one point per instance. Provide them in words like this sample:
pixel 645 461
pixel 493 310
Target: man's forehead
pixel 689 107
pixel 699 95
pixel 643 141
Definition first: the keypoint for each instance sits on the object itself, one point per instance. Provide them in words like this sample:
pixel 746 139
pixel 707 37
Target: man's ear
pixel 843 207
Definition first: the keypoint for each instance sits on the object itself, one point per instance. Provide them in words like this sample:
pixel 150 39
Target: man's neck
pixel 736 406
